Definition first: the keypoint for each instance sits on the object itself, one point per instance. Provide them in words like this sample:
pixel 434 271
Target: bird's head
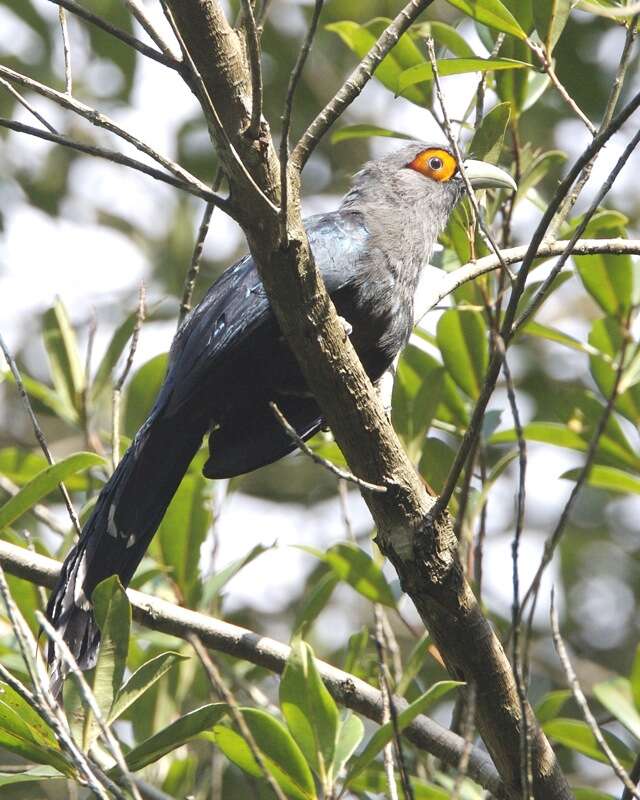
pixel 423 179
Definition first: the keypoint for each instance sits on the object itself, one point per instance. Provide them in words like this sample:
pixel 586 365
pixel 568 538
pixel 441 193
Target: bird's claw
pixel 347 327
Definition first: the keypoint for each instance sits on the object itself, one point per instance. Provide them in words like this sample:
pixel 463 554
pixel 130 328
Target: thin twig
pixel 495 363
pixel 552 542
pixel 90 699
pixel 126 161
pixel 286 117
pixel 356 82
pixel 468 730
pixel 222 137
pixel 581 700
pixel 223 692
pixel 328 465
pixel 194 267
pixel 242 643
pixel 547 66
pixel 479 218
pixel 26 104
pixel 101 120
pixel 152 32
pixel 253 48
pixel 66 47
pixel 542 291
pixel 117 387
pixel 482 83
pixel 612 102
pixel 118 33
pixel 390 714
pixel 37 429
pixel 526 776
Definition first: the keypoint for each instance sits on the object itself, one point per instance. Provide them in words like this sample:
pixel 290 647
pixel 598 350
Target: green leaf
pixel 516 86
pixel 104 376
pixel 24 732
pixel 373 781
pixel 435 462
pixel 113 615
pixel 607 478
pixel 551 704
pixel 585 793
pixel 413 664
pixel 538 169
pixel 358 569
pixel 313 602
pixel 360 39
pixel 445 35
pixel 491 13
pixel 385 733
pixel 174 735
pixel 617 697
pixel 609 280
pixel 577 736
pixel 64 358
pixel 462 339
pixel 365 132
pixel 281 754
pixel 45 482
pixel 417 392
pixel 29 775
pixel 356 649
pixel 554 335
pixel 489 136
pixel 142 679
pixel 216 583
pixel 607 339
pixel 309 710
pixel 550 18
pixel 46 400
pixel 409 78
pixel 350 734
pixel 142 392
pixel 21 466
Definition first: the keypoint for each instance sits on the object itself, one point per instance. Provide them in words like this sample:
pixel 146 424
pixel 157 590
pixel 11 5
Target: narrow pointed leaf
pixel 104 373
pixel 576 735
pixel 281 754
pixel 462 339
pixel 486 143
pixel 141 680
pixel 366 132
pixel 550 18
pixel 64 358
pixel 616 696
pixel 608 478
pixel 454 66
pixel 44 483
pixel 350 734
pixel 492 13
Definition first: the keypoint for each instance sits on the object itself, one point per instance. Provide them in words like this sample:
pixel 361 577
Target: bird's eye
pixel 435 163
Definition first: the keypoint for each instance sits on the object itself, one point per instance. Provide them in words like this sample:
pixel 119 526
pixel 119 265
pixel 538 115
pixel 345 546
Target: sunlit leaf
pixel 487 140
pixel 64 357
pixel 609 280
pixel 142 392
pixel 104 373
pixel 607 338
pixel 551 704
pixel 462 339
pixel 492 13
pixel 446 35
pixel 44 483
pixel 577 736
pixel 454 66
pixel 617 697
pixel 366 132
pixel 142 680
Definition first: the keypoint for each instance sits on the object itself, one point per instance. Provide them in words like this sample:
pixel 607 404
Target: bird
pixel 229 361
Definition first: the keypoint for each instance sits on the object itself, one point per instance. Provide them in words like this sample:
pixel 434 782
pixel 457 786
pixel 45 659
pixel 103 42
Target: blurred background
pixel 86 233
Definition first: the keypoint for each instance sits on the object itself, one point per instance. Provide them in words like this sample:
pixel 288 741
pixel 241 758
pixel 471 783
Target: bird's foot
pixel 347 327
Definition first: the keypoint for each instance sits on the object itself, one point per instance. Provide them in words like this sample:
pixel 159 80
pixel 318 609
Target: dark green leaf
pixel 45 482
pixel 609 280
pixel 489 136
pixel 309 710
pixel 577 736
pixel 445 35
pixel 550 18
pixel 142 680
pixel 281 754
pixel 607 339
pixel 551 705
pixel 175 735
pixel 385 733
pixel 515 86
pixel 462 339
pixel 538 169
pixel 435 462
pixel 313 602
pixel 142 392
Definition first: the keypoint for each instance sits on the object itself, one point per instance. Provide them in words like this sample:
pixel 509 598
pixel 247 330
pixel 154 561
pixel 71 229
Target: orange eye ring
pixel 435 163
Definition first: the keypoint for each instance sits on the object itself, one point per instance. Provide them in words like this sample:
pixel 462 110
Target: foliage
pixel 567 359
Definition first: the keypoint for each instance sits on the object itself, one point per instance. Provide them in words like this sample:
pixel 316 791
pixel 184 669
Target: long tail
pixel 127 514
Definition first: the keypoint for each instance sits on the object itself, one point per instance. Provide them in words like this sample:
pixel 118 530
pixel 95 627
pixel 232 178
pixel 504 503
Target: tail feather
pixel 127 514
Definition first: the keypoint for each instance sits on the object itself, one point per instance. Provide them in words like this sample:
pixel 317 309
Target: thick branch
pixel 239 642
pixel 423 553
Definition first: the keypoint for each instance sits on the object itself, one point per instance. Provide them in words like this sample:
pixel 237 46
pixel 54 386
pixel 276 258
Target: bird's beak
pixel 487 176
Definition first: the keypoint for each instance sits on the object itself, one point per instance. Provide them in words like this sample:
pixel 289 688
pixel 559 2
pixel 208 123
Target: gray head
pixel 422 178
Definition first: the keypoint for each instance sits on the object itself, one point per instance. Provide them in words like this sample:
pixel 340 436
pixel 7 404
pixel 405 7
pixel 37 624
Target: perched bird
pixel 229 360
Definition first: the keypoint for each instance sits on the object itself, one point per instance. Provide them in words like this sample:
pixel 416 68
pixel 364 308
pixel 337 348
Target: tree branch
pixel 221 636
